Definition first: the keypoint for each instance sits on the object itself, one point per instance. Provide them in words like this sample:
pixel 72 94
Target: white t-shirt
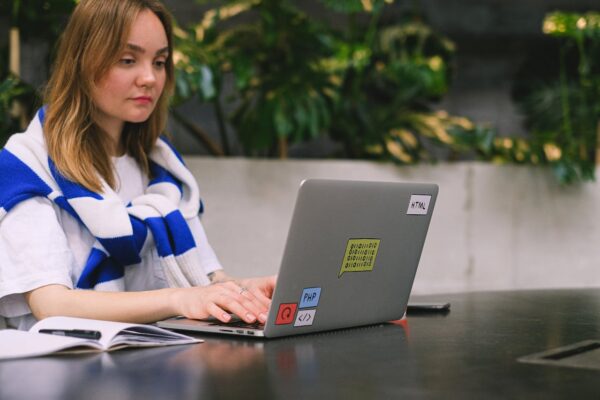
pixel 41 244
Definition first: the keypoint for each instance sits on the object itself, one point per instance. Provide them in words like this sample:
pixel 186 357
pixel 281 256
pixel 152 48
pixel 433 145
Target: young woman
pixel 99 217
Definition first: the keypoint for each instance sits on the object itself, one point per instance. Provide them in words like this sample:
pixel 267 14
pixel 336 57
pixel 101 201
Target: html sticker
pixel 310 297
pixel 305 318
pixel 418 204
pixel 360 255
pixel 286 313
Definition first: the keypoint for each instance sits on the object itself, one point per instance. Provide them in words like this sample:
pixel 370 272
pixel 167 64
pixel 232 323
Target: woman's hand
pixel 262 288
pixel 249 299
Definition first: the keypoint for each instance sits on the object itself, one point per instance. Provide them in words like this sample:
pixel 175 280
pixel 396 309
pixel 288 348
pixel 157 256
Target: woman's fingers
pixel 255 304
pixel 218 312
pixel 241 302
pixel 262 289
pixel 249 300
pixel 263 300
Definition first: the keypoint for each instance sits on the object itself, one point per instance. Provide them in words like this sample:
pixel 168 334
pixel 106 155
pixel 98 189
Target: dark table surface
pixel 470 352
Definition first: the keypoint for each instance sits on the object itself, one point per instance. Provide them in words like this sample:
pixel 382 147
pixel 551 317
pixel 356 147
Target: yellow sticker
pixel 360 255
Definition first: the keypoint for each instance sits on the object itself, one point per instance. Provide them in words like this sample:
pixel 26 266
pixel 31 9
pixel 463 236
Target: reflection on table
pixel 470 352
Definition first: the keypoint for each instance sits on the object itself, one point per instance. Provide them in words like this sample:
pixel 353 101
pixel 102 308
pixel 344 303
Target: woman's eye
pixel 160 63
pixel 126 61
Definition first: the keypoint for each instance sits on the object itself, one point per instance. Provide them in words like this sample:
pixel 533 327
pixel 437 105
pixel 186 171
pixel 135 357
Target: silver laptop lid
pixel 351 254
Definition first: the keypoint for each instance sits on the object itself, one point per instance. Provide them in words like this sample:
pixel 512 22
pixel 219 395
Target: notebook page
pixel 20 344
pixel 108 329
pixel 117 334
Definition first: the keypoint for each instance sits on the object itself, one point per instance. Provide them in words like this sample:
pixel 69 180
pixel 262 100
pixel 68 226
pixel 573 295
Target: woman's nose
pixel 147 76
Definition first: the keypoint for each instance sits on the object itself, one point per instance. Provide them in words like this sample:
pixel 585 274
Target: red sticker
pixel 286 313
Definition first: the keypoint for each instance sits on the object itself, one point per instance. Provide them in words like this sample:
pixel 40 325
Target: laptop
pixel 350 259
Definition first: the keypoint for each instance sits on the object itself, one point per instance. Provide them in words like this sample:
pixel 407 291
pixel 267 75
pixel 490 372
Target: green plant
pixel 199 75
pixel 11 91
pixel 372 86
pixel 563 113
pixel 281 93
pixel 33 20
pixel 293 77
pixel 38 19
pixel 389 77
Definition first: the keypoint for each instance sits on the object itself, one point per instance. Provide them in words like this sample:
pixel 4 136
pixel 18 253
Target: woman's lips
pixel 143 99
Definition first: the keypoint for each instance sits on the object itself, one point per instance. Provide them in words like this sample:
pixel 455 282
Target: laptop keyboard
pixel 240 324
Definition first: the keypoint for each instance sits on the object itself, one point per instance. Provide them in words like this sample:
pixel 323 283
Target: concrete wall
pixel 494 227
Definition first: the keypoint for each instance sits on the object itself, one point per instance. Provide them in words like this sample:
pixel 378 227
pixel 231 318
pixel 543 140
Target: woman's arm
pixel 216 300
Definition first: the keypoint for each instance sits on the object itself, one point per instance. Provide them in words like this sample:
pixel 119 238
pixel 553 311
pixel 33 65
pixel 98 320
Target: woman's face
pixel 130 89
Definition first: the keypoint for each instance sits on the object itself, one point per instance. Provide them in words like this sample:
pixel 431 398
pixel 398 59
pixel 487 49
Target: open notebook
pixel 90 335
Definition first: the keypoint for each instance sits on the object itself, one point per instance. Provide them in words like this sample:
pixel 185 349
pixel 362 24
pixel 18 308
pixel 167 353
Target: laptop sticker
pixel 310 297
pixel 305 318
pixel 360 255
pixel 285 314
pixel 418 204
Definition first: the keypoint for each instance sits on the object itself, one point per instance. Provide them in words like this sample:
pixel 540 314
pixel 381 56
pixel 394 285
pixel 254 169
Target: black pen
pixel 78 333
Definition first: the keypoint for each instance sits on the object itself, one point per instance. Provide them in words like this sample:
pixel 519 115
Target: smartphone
pixel 428 307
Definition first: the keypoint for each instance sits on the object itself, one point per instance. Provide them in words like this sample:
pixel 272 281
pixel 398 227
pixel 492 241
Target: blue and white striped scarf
pixel 121 232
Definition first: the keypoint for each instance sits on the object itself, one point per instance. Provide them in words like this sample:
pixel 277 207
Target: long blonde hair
pixel 90 45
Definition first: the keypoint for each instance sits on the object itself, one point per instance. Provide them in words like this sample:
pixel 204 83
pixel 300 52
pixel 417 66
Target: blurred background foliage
pixel 563 111
pixel 277 76
pixel 373 87
pixel 41 21
pixel 282 92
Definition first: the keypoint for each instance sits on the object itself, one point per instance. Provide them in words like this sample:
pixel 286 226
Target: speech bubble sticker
pixel 360 255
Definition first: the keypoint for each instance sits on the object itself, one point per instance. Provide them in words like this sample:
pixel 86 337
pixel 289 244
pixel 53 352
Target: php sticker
pixel 305 318
pixel 418 204
pixel 310 297
pixel 360 255
pixel 286 313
